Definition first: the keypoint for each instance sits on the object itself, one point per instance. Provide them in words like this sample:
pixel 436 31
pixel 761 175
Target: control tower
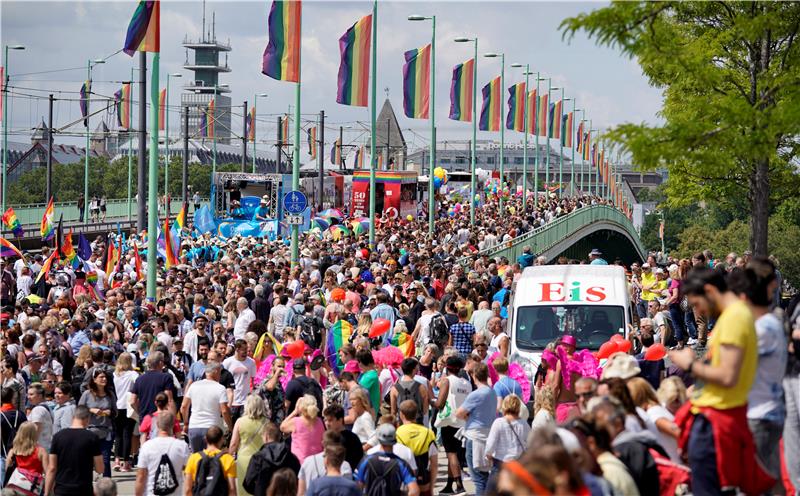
pixel 200 90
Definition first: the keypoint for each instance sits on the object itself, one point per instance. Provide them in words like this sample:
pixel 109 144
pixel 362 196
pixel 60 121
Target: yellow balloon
pixel 410 217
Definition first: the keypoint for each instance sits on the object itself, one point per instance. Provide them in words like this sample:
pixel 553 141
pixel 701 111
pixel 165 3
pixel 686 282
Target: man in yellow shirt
pixel 203 462
pixel 422 442
pixel 723 381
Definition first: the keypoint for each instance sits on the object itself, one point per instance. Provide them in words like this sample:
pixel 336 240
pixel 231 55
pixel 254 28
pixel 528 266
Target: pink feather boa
pixel 582 363
pixel 515 373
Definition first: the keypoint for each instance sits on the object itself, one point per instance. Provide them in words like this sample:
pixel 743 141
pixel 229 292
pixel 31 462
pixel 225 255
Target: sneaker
pixel 447 491
pixel 691 342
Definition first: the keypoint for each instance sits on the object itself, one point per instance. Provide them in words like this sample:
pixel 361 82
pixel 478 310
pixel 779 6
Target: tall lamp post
pixel 432 118
pixel 525 137
pixel 572 142
pixel 550 89
pixel 166 139
pixel 473 149
pixel 561 147
pixel 89 64
pixel 5 115
pixel 502 57
pixel 255 129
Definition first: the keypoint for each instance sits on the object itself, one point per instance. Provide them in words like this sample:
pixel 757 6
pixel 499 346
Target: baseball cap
pixel 299 364
pixel 386 434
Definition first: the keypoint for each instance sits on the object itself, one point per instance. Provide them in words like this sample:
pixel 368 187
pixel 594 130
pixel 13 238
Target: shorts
pixel 449 441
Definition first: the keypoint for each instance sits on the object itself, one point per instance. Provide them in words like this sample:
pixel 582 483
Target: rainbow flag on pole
pixel 579 138
pixel 461 91
pixel 312 142
pixel 124 106
pixel 555 120
pixel 46 266
pixel 162 108
pixel 566 130
pixel 338 335
pixel 532 101
pixel 515 119
pixel 336 152
pixel 354 46
pixel 587 145
pixel 11 222
pixel 69 251
pixel 8 250
pixel 181 217
pixel 490 111
pixel 251 124
pixel 143 31
pixel 281 59
pixel 137 261
pixel 541 115
pixel 207 121
pixel 170 247
pixel 86 89
pixel 48 227
pixel 417 82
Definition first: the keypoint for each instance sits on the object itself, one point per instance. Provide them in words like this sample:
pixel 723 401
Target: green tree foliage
pixel 106 178
pixel 730 75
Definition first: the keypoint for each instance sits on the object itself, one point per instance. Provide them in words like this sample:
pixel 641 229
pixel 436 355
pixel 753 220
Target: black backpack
pixel 439 332
pixel 383 475
pixel 311 331
pixel 410 393
pixel 210 478
pixel 165 481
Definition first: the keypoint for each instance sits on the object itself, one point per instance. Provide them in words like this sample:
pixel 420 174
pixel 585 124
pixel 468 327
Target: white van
pixel 590 302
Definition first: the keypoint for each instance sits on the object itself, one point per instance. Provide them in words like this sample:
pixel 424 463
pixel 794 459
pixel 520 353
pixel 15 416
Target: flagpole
pixel 296 153
pixel 536 130
pixel 583 144
pixel 86 154
pixel 572 146
pixel 597 185
pixel 166 151
pixel 561 147
pixel 373 128
pixel 130 147
pixel 253 123
pixel 152 196
pixel 502 125
pixel 526 110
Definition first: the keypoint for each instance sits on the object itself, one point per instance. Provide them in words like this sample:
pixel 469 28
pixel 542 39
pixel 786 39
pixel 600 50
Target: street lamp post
pixel 89 64
pixel 166 141
pixel 473 150
pixel 561 146
pixel 525 137
pixel 572 143
pixel 5 116
pixel 550 89
pixel 252 126
pixel 502 121
pixel 583 153
pixel 432 117
pixel 538 153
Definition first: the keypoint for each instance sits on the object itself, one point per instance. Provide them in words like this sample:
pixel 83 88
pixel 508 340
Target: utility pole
pixel 141 187
pixel 185 171
pixel 341 136
pixel 49 188
pixel 278 146
pixel 320 155
pixel 244 136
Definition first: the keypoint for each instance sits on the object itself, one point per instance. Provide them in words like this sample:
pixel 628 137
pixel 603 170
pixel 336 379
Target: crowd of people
pixel 356 370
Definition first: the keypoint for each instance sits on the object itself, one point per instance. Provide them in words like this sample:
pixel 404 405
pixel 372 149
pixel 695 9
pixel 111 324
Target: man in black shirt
pixel 334 421
pixel 152 382
pixel 301 385
pixel 68 474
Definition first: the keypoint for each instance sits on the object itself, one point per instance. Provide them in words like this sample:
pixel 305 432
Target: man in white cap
pixel 596 257
pixel 262 211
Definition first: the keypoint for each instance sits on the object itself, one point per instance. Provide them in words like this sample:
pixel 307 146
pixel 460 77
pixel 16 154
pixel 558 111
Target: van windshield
pixel 536 326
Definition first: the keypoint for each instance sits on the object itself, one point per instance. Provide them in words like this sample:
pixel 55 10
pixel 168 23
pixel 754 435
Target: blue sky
pixel 63 35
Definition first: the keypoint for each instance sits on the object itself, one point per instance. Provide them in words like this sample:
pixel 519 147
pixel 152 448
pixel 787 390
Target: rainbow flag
pixel 515 119
pixel 137 261
pixel 566 130
pixel 69 251
pixel 281 59
pixel 312 142
pixel 541 115
pixel 251 125
pixel 8 250
pixel 336 152
pixel 181 217
pixel 170 247
pixel 207 119
pixel 143 31
pixel 124 106
pixel 48 227
pixel 555 120
pixel 338 335
pixel 11 222
pixel 162 109
pixel 404 343
pixel 358 163
pixel 532 101
pixel 579 138
pixel 285 129
pixel 461 91
pixel 587 145
pixel 354 46
pixel 417 82
pixel 86 89
pixel 490 111
pixel 46 266
pixel 112 256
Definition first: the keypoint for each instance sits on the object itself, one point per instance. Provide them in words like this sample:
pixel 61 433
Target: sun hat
pixel 621 365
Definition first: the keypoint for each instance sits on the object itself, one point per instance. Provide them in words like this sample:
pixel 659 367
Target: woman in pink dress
pixel 306 428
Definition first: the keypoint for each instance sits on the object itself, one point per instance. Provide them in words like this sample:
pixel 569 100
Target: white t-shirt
pixel 313 467
pixel 242 321
pixel 669 443
pixel 150 456
pixel 242 373
pixel 364 427
pixel 765 400
pixel 40 414
pixel 206 397
pixel 401 450
pixel 122 385
pixel 424 324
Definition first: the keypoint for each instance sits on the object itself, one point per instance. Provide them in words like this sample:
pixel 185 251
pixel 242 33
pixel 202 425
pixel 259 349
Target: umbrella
pixel 359 228
pixel 334 213
pixel 320 223
pixel 338 230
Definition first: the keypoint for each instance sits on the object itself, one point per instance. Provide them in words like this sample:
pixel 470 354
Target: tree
pixel 730 75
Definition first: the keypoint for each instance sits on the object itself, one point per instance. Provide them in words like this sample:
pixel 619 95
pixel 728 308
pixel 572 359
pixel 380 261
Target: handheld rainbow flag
pixel 312 142
pixel 162 108
pixel 555 120
pixel 515 119
pixel 417 82
pixel 170 248
pixel 46 265
pixel 181 217
pixel 69 251
pixel 566 130
pixel 338 335
pixel 404 343
pixel 541 115
pixel 532 108
pixel 112 256
pixel 86 89
pixel 8 250
pixel 353 81
pixel 281 59
pixel 48 228
pixel 251 124
pixel 11 222
pixel 143 30
pixel 490 111
pixel 461 91
pixel 137 261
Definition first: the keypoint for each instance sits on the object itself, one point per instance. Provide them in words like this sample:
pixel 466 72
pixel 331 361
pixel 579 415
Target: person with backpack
pixel 301 385
pixel 272 457
pixel 425 330
pixel 211 472
pixel 384 473
pixel 408 388
pixel 311 328
pixel 333 482
pixel 422 442
pixel 68 474
pixel 162 460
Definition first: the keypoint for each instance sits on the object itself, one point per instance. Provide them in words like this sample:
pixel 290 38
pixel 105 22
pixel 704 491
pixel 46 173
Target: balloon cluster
pixel 617 343
pixel 495 190
pixel 439 177
pixel 454 210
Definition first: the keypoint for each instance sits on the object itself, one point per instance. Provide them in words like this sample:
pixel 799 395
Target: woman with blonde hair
pixel 361 412
pixel 508 434
pixel 672 394
pixel 124 377
pixel 306 428
pixel 247 436
pixel 544 407
pixel 31 459
pixel 667 432
pixel 364 324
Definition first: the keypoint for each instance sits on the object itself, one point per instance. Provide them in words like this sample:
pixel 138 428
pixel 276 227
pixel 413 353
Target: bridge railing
pixel 545 237
pixel 31 214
